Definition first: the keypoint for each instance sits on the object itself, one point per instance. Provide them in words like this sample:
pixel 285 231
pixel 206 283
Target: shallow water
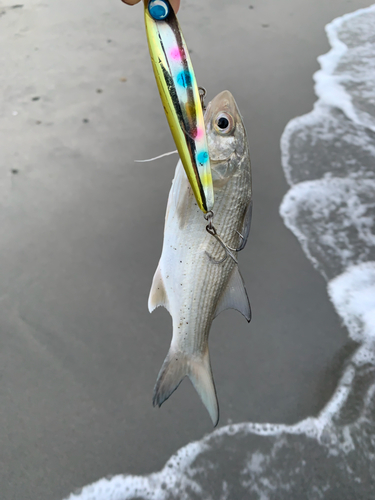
pixel 329 161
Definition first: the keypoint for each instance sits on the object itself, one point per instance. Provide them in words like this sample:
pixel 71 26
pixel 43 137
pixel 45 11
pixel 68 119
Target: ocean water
pixel 328 156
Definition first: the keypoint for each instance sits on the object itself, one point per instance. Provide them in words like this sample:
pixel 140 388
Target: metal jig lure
pixel 180 96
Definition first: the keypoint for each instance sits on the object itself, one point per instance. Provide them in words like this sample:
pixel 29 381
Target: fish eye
pixel 224 123
pixel 158 9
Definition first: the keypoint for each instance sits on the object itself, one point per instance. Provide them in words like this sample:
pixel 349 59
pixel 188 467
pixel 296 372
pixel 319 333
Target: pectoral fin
pixel 235 296
pixel 158 296
pixel 246 225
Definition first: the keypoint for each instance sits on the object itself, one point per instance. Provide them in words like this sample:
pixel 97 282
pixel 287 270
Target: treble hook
pixel 242 245
pixel 210 228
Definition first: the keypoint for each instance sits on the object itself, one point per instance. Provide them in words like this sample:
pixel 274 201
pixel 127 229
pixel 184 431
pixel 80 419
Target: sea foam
pixel 328 158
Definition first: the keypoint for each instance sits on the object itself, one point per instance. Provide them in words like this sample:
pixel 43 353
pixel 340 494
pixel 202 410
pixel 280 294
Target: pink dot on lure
pixel 175 54
pixel 199 134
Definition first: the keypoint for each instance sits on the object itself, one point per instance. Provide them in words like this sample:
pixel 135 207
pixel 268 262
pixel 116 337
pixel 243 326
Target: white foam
pixel 334 220
pixel 353 295
pixel 328 158
pixel 333 80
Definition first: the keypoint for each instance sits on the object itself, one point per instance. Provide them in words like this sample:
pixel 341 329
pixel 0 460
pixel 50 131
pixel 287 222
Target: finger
pixel 131 2
pixel 175 4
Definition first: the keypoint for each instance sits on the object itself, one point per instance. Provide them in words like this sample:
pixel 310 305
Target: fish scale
pixel 215 277
pixel 187 282
pixel 211 274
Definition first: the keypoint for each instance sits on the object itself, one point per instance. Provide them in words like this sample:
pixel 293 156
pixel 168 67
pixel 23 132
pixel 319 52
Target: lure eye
pixel 158 9
pixel 224 123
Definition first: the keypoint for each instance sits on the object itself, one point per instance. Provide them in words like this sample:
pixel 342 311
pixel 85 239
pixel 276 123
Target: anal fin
pixel 158 296
pixel 235 296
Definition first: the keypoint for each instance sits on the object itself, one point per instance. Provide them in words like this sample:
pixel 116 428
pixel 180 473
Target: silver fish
pixel 189 282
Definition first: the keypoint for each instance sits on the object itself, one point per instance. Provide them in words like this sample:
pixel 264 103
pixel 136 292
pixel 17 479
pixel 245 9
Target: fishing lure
pixel 180 97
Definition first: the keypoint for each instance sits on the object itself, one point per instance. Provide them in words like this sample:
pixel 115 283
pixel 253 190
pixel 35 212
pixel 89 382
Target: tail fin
pixel 201 377
pixel 175 368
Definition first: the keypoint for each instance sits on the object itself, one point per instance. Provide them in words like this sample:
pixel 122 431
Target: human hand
pixel 174 3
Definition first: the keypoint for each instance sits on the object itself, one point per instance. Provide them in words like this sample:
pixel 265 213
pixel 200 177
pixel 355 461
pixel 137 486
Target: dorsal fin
pixel 235 296
pixel 158 296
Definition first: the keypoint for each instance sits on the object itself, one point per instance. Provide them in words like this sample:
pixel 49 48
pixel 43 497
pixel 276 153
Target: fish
pixel 180 96
pixel 196 278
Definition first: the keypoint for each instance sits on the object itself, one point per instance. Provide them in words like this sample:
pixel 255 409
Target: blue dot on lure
pixel 203 157
pixel 158 9
pixel 184 79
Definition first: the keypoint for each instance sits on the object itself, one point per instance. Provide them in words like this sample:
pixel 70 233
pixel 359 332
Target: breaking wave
pixel 328 157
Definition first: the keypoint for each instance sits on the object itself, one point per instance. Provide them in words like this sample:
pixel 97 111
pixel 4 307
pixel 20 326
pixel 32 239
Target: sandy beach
pixel 82 228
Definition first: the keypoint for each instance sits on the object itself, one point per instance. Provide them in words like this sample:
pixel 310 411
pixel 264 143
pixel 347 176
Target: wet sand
pixel 82 226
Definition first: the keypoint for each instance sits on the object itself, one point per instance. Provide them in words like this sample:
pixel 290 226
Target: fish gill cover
pixel 328 157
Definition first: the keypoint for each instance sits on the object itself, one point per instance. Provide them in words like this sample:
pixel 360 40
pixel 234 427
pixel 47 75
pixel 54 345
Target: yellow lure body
pixel 180 97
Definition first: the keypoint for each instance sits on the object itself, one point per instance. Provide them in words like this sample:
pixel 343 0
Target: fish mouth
pixel 222 159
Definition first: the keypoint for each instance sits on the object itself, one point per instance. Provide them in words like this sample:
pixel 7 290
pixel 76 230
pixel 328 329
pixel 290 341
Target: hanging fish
pixel 198 276
pixel 180 97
